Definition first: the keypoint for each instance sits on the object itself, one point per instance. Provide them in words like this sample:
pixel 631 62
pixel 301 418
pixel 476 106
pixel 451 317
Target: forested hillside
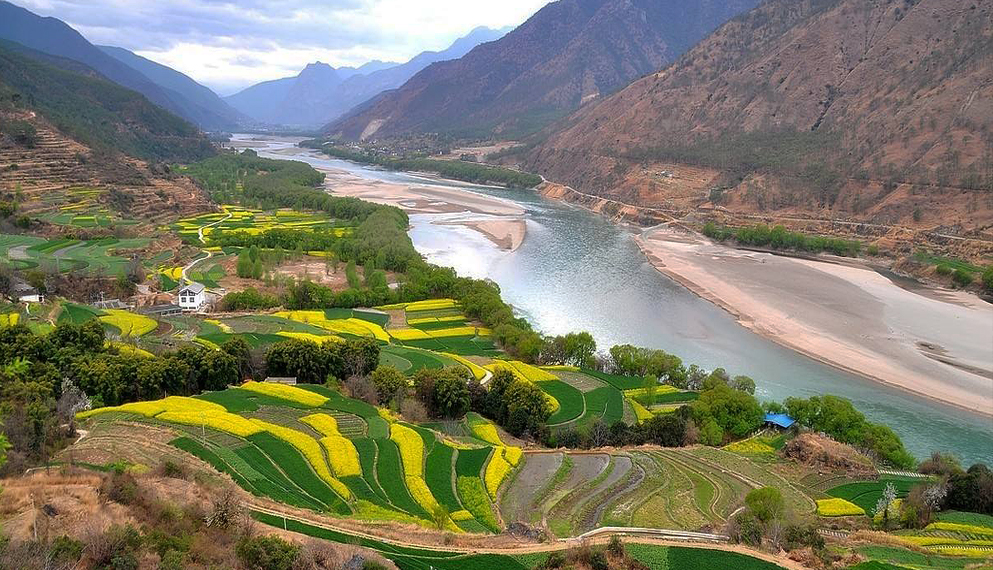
pixel 94 111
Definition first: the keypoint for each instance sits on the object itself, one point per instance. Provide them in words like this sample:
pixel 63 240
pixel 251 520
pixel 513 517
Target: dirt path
pixel 203 241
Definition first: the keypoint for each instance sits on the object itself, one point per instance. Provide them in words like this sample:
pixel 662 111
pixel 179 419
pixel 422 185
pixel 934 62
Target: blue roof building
pixel 780 420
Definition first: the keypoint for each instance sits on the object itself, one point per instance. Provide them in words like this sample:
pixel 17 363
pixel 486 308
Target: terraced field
pixel 440 325
pixel 312 448
pixel 867 493
pixel 584 399
pixel 92 257
pixel 232 219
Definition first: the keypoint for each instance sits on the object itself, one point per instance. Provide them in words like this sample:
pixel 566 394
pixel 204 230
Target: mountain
pixel 201 104
pixel 874 110
pixel 54 37
pixel 302 101
pixel 568 53
pixel 96 112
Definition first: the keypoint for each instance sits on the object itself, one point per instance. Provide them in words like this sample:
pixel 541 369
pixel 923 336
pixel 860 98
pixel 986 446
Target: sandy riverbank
pixel 939 345
pixel 501 221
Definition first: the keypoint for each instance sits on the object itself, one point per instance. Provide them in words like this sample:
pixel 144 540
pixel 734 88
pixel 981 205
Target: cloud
pixel 228 44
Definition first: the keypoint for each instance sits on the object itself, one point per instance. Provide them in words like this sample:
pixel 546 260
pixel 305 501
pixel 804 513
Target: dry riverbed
pixel 938 344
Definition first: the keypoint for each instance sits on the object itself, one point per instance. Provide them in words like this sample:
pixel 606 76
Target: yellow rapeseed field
pixel 310 449
pixel 341 451
pixel 130 324
pixel 291 393
pixel 838 508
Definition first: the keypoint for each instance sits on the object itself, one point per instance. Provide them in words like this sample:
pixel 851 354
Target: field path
pixel 203 241
pixel 633 535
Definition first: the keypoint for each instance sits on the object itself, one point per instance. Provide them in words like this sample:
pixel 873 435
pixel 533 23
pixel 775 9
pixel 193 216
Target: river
pixel 578 271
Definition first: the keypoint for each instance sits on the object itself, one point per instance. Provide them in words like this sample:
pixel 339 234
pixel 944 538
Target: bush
pixel 389 382
pixel 267 553
pixel 962 278
pixel 766 503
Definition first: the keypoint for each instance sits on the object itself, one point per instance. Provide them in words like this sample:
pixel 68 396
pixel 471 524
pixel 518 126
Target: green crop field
pixel 257 435
pixel 867 493
pixel 92 257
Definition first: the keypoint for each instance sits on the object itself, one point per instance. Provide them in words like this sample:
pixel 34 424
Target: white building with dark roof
pixel 192 297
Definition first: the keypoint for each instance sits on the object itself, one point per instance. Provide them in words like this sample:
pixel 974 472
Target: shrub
pixel 765 503
pixel 962 278
pixel 389 382
pixel 267 553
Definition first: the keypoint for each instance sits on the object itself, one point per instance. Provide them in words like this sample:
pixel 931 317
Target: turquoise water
pixel 577 271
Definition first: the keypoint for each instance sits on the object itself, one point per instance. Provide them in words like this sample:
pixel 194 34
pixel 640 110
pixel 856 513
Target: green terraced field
pixel 867 493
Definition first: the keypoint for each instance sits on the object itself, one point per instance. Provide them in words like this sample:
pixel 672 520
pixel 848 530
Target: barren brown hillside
pixel 859 110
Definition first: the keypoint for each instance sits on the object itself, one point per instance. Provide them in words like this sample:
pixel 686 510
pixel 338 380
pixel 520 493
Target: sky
pixel 230 45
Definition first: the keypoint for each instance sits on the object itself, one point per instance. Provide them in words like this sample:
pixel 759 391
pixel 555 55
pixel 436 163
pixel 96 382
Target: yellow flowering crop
pixel 467 330
pixel 152 408
pixel 130 324
pixel 496 470
pixel 423 320
pixel 478 372
pixel 522 370
pixel 838 508
pixel 659 390
pixel 341 451
pixel 563 367
pixel 129 349
pixel 310 449
pixel 431 304
pixel 959 527
pixel 484 429
pixel 223 326
pixel 936 540
pixel 310 336
pixel 285 392
pixel 409 334
pixel 221 421
pixel 462 515
pixel 9 319
pixel 749 446
pixel 352 326
pixel 512 455
pixel 640 412
pixel 411 449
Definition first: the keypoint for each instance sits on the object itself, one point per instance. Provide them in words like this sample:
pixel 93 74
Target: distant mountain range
pixel 569 53
pixel 857 109
pixel 165 87
pixel 321 93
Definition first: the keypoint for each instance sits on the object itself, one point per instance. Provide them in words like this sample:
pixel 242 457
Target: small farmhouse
pixel 192 297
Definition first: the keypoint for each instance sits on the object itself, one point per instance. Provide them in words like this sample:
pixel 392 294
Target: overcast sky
pixel 230 45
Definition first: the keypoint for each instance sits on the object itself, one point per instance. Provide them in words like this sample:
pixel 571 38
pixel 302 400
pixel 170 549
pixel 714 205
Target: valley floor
pixel 936 344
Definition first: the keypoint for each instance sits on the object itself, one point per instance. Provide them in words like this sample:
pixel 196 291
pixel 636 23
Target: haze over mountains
pixel 568 53
pixel 321 93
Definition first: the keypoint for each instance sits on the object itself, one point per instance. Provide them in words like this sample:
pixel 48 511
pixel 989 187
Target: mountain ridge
pixel 569 52
pixel 878 111
pixel 286 101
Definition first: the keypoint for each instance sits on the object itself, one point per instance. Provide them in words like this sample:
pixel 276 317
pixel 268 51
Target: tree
pixel 737 413
pixel 766 503
pixel 744 383
pixel 267 553
pixel 451 394
pixel 650 385
pixel 971 491
pixel 579 349
pixel 238 348
pixel 527 409
pixel 496 402
pixel 389 383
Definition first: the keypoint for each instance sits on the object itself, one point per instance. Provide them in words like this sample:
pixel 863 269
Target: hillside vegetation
pixel 96 112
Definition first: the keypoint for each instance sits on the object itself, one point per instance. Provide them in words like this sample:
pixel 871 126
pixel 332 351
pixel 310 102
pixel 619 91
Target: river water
pixel 577 271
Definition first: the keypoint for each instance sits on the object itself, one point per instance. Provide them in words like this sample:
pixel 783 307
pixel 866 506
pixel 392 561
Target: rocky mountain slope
pixel 321 93
pixel 874 110
pixel 570 52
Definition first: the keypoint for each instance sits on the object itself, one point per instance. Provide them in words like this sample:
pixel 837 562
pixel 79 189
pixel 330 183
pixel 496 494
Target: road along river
pixel 574 270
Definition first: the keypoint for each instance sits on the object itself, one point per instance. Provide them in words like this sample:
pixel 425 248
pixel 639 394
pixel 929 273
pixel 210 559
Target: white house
pixel 26 293
pixel 192 297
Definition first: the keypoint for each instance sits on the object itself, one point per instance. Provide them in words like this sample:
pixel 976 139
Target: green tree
pixel 527 409
pixel 766 503
pixel 267 553
pixel 451 394
pixel 389 382
pixel 579 349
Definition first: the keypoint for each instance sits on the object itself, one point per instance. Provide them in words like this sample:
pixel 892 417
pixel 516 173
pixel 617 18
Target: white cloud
pixel 227 44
